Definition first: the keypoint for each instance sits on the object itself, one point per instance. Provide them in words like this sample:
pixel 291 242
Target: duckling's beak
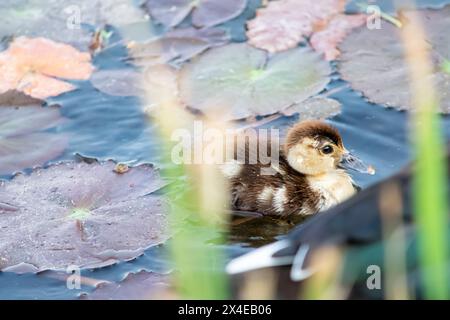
pixel 351 162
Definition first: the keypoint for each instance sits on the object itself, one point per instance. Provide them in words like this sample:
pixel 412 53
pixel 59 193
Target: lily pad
pixel 316 108
pixel 75 213
pixel 161 83
pixel 62 21
pixel 205 13
pixel 238 81
pixel 283 24
pixel 32 65
pixel 136 286
pixel 113 12
pixel 120 82
pixel 23 142
pixel 391 6
pixel 373 61
pixel 326 40
pixel 42 18
pixel 176 46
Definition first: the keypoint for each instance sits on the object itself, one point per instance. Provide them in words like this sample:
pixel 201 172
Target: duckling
pixel 343 226
pixel 309 175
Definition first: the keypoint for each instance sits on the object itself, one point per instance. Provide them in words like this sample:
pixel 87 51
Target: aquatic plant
pixel 381 73
pixel 62 22
pixel 24 141
pixel 32 65
pixel 284 24
pixel 205 13
pixel 176 46
pixel 198 198
pixel 238 81
pixel 142 285
pixel 118 82
pixel 76 213
pixel 430 182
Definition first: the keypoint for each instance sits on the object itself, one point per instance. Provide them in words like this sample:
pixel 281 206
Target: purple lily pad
pixel 75 213
pixel 214 36
pixel 120 82
pixel 213 12
pixel 205 13
pixel 169 12
pixel 316 108
pixel 172 50
pixel 136 286
pixel 23 144
pixel 62 21
pixel 177 46
pixel 373 61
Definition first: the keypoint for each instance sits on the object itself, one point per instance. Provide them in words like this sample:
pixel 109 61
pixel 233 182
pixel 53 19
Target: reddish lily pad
pixel 23 142
pixel 136 286
pixel 283 24
pixel 326 40
pixel 237 81
pixel 31 65
pixel 373 61
pixel 205 13
pixel 75 213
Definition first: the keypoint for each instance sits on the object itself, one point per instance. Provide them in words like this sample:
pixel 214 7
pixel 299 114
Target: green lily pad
pixel 238 81
pixel 373 61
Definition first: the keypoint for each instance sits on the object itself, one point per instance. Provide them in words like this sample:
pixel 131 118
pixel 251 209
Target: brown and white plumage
pixel 307 177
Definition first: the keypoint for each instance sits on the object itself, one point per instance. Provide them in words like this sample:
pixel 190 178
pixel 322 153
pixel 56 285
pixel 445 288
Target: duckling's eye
pixel 327 149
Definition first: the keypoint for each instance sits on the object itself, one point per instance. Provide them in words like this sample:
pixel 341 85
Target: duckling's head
pixel 316 148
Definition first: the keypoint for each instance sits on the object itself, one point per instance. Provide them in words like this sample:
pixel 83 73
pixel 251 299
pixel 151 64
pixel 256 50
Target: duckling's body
pixel 303 180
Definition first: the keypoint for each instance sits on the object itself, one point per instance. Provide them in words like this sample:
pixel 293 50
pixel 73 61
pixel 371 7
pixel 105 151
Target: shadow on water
pixel 108 127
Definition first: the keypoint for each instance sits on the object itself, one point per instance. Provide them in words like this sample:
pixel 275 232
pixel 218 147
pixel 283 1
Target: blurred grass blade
pixel 430 181
pixel 197 195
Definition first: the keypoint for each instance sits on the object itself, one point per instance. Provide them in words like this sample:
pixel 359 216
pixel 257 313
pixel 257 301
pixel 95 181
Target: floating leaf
pixel 81 214
pixel 391 6
pixel 121 82
pixel 316 108
pixel 213 12
pixel 205 13
pixel 169 12
pixel 62 21
pixel 166 50
pixel 28 65
pixel 242 81
pixel 23 144
pixel 325 41
pixel 373 61
pixel 284 24
pixel 51 19
pixel 161 84
pixel 214 36
pixel 136 286
pixel 177 46
pixel 113 12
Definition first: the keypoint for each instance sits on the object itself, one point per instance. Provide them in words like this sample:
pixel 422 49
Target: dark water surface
pixel 107 127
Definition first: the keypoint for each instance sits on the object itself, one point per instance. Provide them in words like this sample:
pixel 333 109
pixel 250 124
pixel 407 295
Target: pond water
pixel 107 127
